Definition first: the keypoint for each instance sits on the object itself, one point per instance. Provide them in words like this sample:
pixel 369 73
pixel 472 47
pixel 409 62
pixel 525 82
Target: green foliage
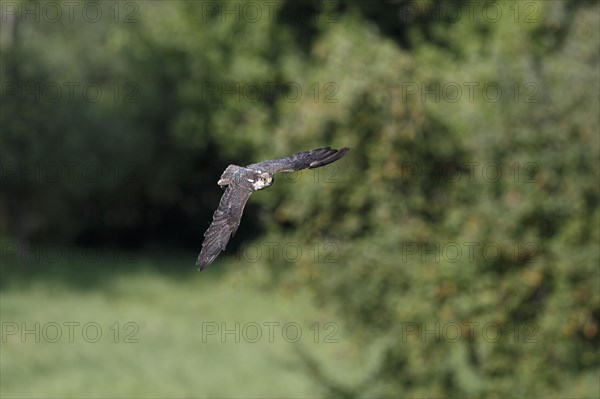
pixel 399 230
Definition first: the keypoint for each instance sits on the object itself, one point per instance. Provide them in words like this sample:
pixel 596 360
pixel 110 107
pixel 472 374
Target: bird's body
pixel 240 175
pixel 239 182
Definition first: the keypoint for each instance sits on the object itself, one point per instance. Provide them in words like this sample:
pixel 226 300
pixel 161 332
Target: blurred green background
pixel 452 253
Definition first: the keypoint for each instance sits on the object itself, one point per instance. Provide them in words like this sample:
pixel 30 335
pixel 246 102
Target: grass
pixel 166 350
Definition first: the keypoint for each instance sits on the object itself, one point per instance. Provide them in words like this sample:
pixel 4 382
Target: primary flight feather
pixel 240 182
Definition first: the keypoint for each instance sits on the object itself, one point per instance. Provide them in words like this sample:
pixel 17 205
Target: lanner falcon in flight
pixel 240 182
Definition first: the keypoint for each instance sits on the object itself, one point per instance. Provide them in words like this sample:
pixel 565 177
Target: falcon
pixel 239 182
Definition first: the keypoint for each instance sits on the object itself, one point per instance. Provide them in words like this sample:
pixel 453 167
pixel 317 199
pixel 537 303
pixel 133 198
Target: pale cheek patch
pixel 259 185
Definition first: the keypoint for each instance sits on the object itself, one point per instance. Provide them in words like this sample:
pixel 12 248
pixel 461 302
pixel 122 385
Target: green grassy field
pixel 155 329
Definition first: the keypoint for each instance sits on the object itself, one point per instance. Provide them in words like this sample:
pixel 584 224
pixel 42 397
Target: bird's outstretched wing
pixel 301 160
pixel 226 220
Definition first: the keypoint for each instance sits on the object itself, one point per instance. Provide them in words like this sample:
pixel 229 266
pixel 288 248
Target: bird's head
pixel 262 180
